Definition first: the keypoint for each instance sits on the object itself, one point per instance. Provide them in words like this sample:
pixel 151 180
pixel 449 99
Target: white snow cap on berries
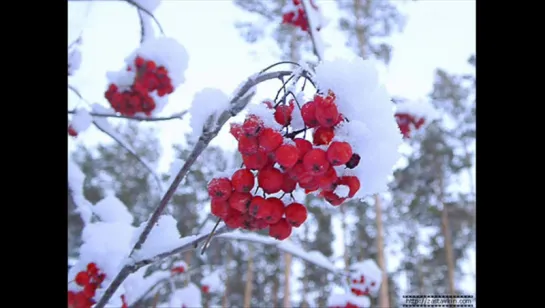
pixel 212 281
pixel 372 130
pixel 265 114
pixel 341 299
pixel 190 296
pixel 81 120
pixel 372 275
pixel 207 102
pixel 419 108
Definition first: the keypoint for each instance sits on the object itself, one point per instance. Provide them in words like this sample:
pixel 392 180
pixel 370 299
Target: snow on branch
pixel 313 19
pixel 175 116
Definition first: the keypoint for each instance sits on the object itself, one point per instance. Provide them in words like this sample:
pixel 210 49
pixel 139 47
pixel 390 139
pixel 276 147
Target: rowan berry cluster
pixel 406 122
pixel 348 305
pixel 148 78
pixel 280 162
pixel 361 286
pixel 90 280
pixel 297 16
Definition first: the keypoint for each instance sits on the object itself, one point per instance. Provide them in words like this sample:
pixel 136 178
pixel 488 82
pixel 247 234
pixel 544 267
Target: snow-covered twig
pixel 142 9
pixel 103 128
pixel 316 39
pixel 210 131
pixel 176 116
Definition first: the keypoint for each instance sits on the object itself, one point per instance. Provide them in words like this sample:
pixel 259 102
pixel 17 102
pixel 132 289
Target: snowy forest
pixel 250 153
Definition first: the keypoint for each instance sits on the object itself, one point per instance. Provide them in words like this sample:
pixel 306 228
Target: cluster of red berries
pixel 137 99
pixel 280 163
pixel 298 18
pixel 406 121
pixel 90 280
pixel 177 270
pixel 205 289
pixel 360 287
pixel 348 305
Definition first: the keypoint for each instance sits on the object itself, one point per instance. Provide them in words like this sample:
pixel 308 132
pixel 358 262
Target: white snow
pixel 265 114
pixel 372 131
pixel 207 105
pixel 75 183
pixel 342 191
pixel 190 297
pixel 81 120
pixel 165 52
pixel 341 299
pixel 149 5
pixel 213 281
pixel 136 285
pixel 419 108
pixel 175 167
pixel 111 209
pixel 164 236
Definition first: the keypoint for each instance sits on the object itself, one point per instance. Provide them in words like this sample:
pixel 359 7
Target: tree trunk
pixel 383 297
pixel 275 292
pixel 287 276
pixel 187 260
pixel 249 278
pixel 445 228
pixel 344 237
pixel 225 298
pixel 305 303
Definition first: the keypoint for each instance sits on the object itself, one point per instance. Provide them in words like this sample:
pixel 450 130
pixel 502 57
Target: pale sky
pixel 438 34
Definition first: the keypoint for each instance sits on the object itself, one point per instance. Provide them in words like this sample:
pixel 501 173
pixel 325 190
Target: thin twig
pixel 176 116
pixel 140 8
pixel 210 131
pixel 132 152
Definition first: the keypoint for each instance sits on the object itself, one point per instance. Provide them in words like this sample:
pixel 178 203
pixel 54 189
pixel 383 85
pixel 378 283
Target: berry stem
pixel 295 133
pixel 210 236
pixel 277 64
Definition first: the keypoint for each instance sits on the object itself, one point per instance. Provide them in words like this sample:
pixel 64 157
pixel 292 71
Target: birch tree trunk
pixel 447 239
pixel 384 300
pixel 249 278
pixel 287 276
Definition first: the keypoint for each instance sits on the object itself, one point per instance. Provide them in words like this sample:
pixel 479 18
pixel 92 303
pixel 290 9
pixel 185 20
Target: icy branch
pixel 176 116
pixel 239 101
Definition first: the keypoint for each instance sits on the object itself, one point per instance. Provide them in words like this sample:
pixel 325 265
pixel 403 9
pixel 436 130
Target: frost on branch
pixel 371 128
pixel 152 71
pixel 208 104
pixel 413 115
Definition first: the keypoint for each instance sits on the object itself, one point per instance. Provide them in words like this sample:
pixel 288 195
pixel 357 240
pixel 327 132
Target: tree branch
pixel 210 131
pixel 312 31
pixel 176 116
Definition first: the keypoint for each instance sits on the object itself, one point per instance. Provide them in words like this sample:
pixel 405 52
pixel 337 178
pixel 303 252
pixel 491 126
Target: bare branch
pixel 131 151
pixel 237 103
pixel 312 31
pixel 140 8
pixel 176 116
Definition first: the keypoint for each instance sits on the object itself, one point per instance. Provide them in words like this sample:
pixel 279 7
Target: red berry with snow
pixel 247 145
pixel 256 161
pixel 82 278
pixel 252 126
pixel 315 162
pixel 270 180
pixel 323 135
pixel 220 188
pixel 296 214
pixel 339 153
pixel 270 140
pixel 287 155
pixel 282 114
pixel 219 208
pixel 242 180
pixel 280 230
pixel 236 130
pixel 240 201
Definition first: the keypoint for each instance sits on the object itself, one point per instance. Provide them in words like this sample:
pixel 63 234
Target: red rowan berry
pixel 92 269
pixel 252 125
pixel 240 201
pixel 234 219
pixel 288 184
pixel 308 113
pixel 352 182
pixel 296 214
pixel 339 153
pixel 315 162
pixel 205 289
pixel 82 278
pixel 299 173
pixel 270 180
pixel 247 145
pixel 328 180
pixel 282 114
pixel 242 180
pixel 270 140
pixel 256 161
pixel 276 210
pixel 327 114
pixel 323 135
pixel 280 230
pixel 259 207
pixel 236 130
pixel 219 208
pixel 220 188
pixel 332 198
pixel 287 155
pixel 303 146
pixel 72 132
pixel 310 186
